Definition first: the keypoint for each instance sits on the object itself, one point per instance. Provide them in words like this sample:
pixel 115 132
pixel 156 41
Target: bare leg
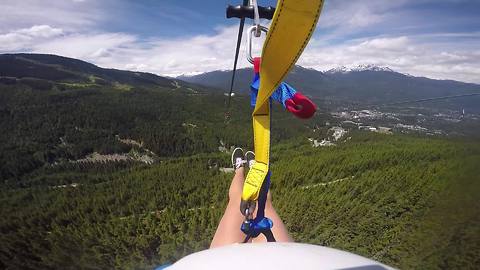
pixel 279 229
pixel 228 230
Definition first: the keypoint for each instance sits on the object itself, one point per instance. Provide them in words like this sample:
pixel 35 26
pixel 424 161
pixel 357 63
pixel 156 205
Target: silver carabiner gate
pixel 251 32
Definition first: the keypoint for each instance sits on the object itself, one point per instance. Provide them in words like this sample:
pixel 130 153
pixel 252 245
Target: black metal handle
pixel 248 12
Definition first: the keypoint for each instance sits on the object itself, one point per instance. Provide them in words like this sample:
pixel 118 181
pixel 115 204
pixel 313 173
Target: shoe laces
pixel 239 162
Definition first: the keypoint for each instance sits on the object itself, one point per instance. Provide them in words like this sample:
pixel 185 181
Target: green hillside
pixel 409 202
pixel 47 127
pixel 67 70
pixel 109 177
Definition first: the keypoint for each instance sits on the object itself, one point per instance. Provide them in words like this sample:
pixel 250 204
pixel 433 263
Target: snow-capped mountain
pixel 359 84
pixel 358 68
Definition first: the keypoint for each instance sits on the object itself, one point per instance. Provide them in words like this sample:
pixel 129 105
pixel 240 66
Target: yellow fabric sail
pixel 292 26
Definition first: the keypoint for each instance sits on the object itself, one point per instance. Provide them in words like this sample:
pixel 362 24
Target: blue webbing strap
pixel 260 224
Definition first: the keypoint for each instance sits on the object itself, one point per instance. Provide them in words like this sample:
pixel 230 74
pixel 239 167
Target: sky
pixel 433 38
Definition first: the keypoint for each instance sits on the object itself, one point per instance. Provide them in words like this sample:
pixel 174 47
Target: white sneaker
pixel 237 158
pixel 250 158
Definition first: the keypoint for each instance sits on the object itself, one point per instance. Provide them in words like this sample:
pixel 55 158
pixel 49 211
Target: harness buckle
pixel 247 208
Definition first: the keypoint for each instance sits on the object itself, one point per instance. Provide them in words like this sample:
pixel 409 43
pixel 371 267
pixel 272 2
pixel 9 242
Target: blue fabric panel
pixel 281 95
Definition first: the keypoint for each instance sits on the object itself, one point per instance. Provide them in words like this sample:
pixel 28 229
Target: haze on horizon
pixel 436 39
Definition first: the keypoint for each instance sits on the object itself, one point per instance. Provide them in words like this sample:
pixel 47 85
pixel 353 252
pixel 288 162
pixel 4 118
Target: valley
pixel 132 173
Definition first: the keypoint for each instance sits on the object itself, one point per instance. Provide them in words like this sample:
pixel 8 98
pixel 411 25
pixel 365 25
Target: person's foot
pixel 250 158
pixel 237 158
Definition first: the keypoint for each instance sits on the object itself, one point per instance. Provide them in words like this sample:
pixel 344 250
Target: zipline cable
pixel 430 99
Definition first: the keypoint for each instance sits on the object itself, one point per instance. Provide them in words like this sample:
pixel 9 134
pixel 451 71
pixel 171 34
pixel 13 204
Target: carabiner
pixel 250 33
pixel 247 208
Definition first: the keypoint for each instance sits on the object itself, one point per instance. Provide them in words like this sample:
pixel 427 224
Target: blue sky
pixel 433 38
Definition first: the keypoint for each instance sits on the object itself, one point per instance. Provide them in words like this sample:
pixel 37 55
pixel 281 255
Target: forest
pixel 407 200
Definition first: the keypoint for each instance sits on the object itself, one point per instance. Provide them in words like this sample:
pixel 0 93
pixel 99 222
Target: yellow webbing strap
pixel 292 26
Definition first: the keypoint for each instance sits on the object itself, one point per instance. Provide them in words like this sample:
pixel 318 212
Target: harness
pixel 292 26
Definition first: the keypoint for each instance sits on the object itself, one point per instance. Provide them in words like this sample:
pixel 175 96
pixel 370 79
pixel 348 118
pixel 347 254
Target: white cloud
pixel 22 39
pixel 90 47
pixel 202 53
pixel 68 15
pixel 43 31
pixel 69 28
pixel 390 44
pixel 124 51
pixel 403 54
pixel 344 16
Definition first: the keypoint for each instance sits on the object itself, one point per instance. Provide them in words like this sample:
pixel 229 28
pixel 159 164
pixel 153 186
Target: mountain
pixel 107 169
pixel 344 69
pixel 69 109
pixel 44 72
pixel 365 84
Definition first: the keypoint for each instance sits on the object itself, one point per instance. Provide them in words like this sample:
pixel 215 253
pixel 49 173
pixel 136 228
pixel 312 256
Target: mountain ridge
pixel 49 71
pixel 365 67
pixel 364 84
pixel 361 85
pixel 338 69
pixel 64 69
